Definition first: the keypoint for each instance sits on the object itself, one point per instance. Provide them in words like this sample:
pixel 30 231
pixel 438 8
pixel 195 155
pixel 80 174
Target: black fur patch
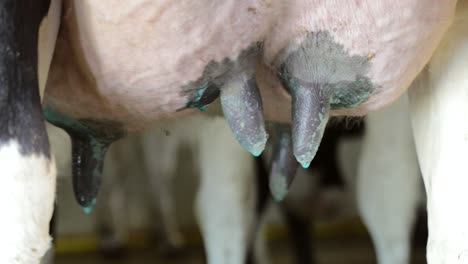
pixel 20 103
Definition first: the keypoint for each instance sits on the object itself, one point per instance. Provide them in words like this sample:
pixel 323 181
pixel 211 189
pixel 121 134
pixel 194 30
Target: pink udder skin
pixel 397 37
pixel 141 52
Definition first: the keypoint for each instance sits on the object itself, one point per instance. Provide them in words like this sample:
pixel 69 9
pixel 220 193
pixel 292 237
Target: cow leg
pixel 258 249
pixel 260 245
pixel 111 214
pixel 28 171
pixel 439 109
pixel 299 235
pixel 388 182
pixel 226 197
pixel 160 154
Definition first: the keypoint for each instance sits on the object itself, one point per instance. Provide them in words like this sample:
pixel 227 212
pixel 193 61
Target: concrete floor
pixel 349 251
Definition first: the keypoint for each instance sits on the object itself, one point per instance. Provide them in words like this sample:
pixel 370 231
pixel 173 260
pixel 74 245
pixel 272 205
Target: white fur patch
pixel 226 197
pixel 27 189
pixel 389 186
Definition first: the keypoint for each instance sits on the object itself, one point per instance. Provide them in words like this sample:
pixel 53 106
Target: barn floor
pixel 348 251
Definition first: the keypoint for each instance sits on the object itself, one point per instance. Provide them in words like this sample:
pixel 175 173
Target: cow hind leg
pixel 300 236
pixel 112 210
pixel 258 249
pixel 27 182
pixel 160 154
pixel 439 109
pixel 388 182
pixel 225 203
